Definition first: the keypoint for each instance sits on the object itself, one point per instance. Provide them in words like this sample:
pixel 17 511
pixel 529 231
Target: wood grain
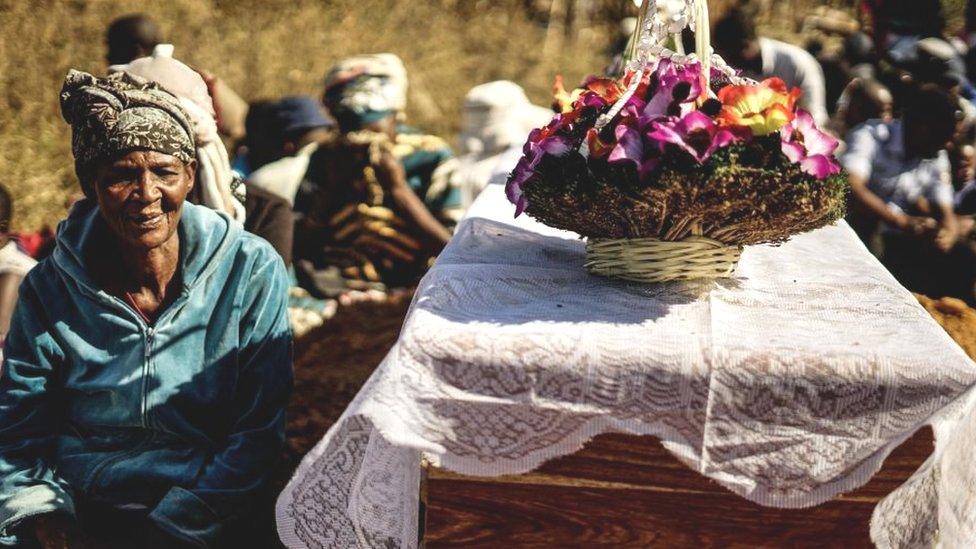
pixel 626 491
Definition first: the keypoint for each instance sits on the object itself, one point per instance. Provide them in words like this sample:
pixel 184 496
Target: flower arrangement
pixel 671 170
pixel 736 163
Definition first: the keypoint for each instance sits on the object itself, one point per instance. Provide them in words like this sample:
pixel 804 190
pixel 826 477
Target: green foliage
pixel 745 194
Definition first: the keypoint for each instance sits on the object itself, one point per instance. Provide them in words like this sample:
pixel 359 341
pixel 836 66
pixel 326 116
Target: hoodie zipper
pixel 146 373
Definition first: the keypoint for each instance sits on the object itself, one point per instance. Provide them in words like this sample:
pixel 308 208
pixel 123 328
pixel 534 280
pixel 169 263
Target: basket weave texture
pixel 651 260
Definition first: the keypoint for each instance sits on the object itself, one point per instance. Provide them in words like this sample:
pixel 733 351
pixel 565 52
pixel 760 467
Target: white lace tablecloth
pixel 788 384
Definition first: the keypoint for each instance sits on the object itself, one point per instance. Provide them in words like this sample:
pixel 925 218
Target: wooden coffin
pixel 628 491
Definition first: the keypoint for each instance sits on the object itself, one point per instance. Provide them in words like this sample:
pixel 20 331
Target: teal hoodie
pixel 184 417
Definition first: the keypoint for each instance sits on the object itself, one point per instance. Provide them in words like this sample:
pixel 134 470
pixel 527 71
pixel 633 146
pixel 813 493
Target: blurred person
pixel 835 71
pixel 427 159
pixel 360 224
pixel 900 24
pixel 736 40
pixel 133 36
pixel 497 118
pixel 964 179
pixel 14 265
pixel 289 131
pixel 217 186
pixel 860 56
pixel 862 100
pixel 148 367
pixel 902 195
pixel 271 217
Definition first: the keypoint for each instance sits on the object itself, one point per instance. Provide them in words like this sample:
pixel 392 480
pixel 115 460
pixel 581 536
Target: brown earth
pixel 956 318
pixel 331 364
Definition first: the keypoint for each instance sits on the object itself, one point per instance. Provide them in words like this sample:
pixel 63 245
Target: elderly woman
pixel 148 367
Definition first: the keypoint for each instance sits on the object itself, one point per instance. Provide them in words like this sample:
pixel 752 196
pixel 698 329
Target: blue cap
pixel 298 113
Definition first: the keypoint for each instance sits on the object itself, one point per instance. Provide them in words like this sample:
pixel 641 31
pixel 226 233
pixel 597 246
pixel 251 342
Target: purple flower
pixel 629 145
pixel 678 86
pixel 809 147
pixel 696 134
pixel 535 149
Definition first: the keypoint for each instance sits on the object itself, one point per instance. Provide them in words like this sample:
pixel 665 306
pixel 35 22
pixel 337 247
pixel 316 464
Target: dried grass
pixel 263 49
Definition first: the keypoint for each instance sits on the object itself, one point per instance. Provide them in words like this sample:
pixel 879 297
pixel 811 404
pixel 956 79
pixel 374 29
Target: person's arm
pixel 9 288
pixel 858 161
pixel 393 178
pixel 949 229
pixel 875 206
pixel 239 469
pixel 30 416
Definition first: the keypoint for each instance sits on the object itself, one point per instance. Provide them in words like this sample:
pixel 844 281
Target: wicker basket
pixel 651 260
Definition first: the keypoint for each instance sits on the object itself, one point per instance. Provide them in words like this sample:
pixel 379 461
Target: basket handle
pixel 649 39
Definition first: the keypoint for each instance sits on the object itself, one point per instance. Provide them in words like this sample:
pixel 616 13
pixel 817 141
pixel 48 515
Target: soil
pixel 332 362
pixel 956 318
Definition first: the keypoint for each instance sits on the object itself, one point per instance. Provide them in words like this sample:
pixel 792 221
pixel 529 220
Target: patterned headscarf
pixel 121 113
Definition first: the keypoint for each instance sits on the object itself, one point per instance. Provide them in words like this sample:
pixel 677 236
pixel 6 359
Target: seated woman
pixel 360 225
pixel 148 367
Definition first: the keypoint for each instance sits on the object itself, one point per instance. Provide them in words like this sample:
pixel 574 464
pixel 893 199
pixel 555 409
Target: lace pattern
pixel 788 384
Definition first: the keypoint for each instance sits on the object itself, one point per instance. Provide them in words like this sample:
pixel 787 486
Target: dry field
pixel 268 48
pixel 264 48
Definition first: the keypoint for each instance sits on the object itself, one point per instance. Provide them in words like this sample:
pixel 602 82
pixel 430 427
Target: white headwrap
pixel 497 116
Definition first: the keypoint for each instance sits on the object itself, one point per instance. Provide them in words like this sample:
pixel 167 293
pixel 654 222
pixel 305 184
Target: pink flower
pixel 696 134
pixel 809 147
pixel 677 88
pixel 536 148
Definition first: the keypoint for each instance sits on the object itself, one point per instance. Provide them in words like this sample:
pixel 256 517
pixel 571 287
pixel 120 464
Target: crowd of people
pixel 147 359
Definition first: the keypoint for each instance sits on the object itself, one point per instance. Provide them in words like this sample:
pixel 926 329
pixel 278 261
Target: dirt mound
pixel 956 318
pixel 331 364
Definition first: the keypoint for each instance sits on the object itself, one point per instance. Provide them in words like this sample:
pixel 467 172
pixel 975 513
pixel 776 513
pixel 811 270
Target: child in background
pixel 14 265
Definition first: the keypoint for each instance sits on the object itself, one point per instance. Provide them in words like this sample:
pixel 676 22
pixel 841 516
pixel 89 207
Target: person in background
pixel 900 24
pixel 860 56
pixel 427 159
pixel 496 119
pixel 735 38
pixel 963 160
pixel 133 36
pixel 902 195
pixel 271 217
pixel 217 186
pixel 287 132
pixel 862 100
pixel 14 265
pixel 149 363
pixel 360 224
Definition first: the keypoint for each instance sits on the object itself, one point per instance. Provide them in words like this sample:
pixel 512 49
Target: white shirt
pixel 876 152
pixel 798 69
pixel 14 261
pixel 283 176
pixel 476 172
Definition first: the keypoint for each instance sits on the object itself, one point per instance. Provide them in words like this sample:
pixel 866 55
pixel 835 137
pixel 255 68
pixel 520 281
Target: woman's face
pixel 140 196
